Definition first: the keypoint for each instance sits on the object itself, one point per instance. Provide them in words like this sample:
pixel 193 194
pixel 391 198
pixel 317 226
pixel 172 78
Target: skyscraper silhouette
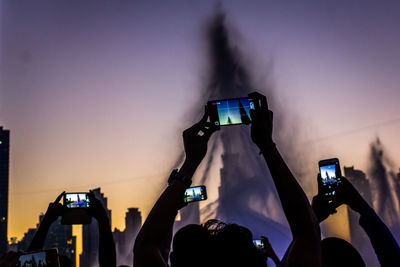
pixel 124 240
pixel 4 171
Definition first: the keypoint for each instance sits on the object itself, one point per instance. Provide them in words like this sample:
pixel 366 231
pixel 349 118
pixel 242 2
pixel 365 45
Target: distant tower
pixel 90 236
pixel 124 240
pixel 133 221
pixel 4 171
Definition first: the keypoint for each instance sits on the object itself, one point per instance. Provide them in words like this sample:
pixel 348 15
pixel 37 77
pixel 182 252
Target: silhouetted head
pixel 192 246
pixel 234 244
pixel 338 252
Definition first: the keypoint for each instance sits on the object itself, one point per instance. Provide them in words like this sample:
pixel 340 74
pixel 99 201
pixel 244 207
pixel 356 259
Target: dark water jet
pixel 246 195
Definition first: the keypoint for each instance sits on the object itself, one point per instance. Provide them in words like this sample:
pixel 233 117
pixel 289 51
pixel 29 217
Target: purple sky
pixel 96 93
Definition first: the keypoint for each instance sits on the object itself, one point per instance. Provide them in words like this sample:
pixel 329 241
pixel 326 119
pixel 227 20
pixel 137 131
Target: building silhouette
pixel 124 240
pixel 4 171
pixel 59 236
pixel 90 236
pixel 26 240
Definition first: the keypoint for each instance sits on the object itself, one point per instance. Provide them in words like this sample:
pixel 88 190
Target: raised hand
pixel 306 245
pixel 268 251
pixel 321 205
pixel 348 194
pixel 196 137
pixel 55 209
pixel 261 122
pixel 96 208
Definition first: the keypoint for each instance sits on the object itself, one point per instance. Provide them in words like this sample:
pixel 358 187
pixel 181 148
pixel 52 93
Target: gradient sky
pixel 97 93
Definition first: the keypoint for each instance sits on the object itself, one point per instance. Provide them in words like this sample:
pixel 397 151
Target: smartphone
pixel 196 193
pixel 330 175
pixel 233 111
pixel 76 205
pixel 76 200
pixel 258 243
pixel 45 258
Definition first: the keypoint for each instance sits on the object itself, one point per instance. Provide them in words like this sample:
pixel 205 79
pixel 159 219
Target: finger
pixel 210 125
pixel 205 116
pixel 265 240
pixel 59 197
pixel 260 100
pixel 208 132
pixel 264 103
pixel 252 114
pixel 319 181
pixel 91 194
pixel 197 126
pixel 255 95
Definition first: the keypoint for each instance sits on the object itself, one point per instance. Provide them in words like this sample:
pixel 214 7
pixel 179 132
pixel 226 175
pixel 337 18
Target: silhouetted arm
pixel 306 245
pixel 54 210
pixel 269 252
pixel 107 253
pixel 386 248
pixel 153 242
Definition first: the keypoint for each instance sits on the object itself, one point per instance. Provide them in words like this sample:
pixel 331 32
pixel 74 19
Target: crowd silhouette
pixel 218 243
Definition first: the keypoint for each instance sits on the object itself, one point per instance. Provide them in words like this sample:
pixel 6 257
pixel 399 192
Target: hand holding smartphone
pixel 76 208
pixel 259 243
pixel 330 177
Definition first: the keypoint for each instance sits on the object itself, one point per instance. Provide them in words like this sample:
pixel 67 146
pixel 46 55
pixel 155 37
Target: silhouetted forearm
pixel 302 221
pixel 295 204
pixel 153 242
pixel 40 236
pixel 386 248
pixel 107 254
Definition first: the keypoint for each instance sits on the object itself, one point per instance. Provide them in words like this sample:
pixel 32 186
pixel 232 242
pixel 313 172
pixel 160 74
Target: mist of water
pixel 247 195
pixel 385 187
